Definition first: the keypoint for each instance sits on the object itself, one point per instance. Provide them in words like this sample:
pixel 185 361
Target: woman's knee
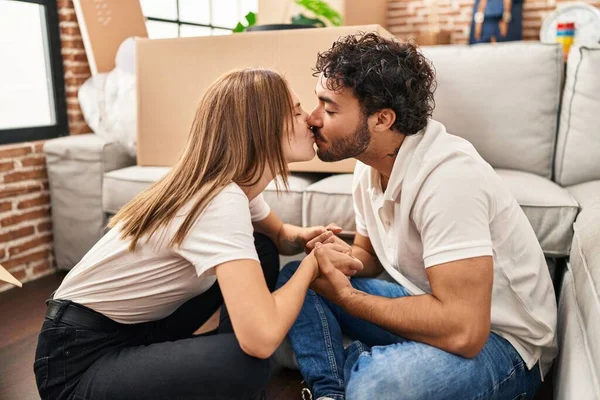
pixel 254 374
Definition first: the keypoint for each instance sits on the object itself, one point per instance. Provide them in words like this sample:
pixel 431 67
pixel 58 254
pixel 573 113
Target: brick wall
pixel 25 227
pixel 406 18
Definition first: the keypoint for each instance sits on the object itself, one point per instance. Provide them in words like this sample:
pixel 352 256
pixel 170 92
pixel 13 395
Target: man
pixel 470 310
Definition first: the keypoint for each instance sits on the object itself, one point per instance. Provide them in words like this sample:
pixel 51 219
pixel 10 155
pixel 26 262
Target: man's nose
pixel 314 118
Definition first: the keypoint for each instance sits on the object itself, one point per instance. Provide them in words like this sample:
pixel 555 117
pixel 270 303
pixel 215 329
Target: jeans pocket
pixel 522 396
pixel 40 370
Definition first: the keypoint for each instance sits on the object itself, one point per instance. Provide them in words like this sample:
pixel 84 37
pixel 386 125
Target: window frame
pixel 179 22
pixel 61 126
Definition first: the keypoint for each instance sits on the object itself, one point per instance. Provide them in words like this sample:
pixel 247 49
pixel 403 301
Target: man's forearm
pixel 421 318
pixel 372 266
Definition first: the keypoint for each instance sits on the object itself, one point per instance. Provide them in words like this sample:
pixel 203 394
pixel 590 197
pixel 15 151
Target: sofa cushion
pixel 122 185
pixel 578 147
pixel 587 195
pixel 75 165
pixel 288 204
pixel 330 200
pixel 579 309
pixel 551 210
pixel 504 98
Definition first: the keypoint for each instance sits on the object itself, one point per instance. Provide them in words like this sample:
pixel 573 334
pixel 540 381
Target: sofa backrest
pixel 578 147
pixel 504 98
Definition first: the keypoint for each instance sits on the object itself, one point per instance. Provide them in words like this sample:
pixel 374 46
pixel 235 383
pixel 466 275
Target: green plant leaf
pixel 239 28
pixel 321 9
pixel 251 18
pixel 302 19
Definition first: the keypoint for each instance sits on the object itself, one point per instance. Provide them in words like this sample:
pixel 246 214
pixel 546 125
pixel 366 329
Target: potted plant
pixel 319 11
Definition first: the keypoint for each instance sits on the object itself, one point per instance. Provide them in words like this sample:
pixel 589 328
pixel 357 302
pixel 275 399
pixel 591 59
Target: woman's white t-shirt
pixel 154 280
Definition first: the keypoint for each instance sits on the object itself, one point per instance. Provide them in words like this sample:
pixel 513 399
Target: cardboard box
pixel 432 38
pixel 354 12
pixel 5 276
pixel 172 75
pixel 104 25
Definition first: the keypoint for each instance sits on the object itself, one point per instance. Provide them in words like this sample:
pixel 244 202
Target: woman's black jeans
pixel 103 359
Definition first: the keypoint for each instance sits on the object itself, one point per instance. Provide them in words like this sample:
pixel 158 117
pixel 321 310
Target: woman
pixel 121 324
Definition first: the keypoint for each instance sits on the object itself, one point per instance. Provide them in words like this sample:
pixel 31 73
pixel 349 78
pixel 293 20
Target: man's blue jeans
pixel 381 365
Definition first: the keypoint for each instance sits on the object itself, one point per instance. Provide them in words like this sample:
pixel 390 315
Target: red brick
pixel 74 57
pixel 64 4
pixel 44 226
pixel 41 268
pixel 25 175
pixel 7 166
pixel 38 147
pixel 32 244
pixel 82 69
pixel 19 274
pixel 37 256
pixel 17 190
pixel 2 254
pixel 74 107
pixel 14 151
pixel 80 129
pixel 5 206
pixel 17 218
pixel 70 30
pixel 33 161
pixel 75 81
pixel 72 43
pixel 16 234
pixel 71 17
pixel 36 201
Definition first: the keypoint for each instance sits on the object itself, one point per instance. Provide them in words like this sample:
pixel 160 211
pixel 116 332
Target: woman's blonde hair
pixel 236 136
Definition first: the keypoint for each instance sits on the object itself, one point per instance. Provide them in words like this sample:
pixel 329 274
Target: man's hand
pixel 331 282
pixel 319 234
pixel 329 235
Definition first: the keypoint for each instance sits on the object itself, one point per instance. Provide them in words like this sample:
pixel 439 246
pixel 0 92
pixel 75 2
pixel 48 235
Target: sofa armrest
pixel 578 364
pixel 76 166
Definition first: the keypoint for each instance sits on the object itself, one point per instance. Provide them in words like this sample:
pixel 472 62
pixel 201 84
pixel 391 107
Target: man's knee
pixel 287 272
pixel 375 375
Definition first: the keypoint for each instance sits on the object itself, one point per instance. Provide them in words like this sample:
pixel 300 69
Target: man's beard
pixel 347 147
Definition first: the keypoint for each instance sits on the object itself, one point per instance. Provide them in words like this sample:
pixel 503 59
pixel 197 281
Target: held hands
pixel 328 234
pixel 331 282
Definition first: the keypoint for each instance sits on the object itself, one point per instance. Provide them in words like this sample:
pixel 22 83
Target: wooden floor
pixel 21 316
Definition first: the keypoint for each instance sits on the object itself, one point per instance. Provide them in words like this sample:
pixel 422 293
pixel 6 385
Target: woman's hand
pixel 331 282
pixel 342 261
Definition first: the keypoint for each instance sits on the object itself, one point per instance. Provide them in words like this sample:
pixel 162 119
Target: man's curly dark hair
pixel 382 73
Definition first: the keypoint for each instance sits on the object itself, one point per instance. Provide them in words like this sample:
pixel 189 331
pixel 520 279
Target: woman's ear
pixel 384 119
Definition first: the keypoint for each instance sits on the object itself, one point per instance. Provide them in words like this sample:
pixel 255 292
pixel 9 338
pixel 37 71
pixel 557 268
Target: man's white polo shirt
pixel 444 203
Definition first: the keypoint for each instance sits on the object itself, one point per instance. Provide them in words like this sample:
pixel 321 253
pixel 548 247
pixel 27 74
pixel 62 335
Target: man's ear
pixel 383 120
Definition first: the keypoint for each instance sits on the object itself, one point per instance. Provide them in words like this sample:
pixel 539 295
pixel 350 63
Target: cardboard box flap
pixel 5 276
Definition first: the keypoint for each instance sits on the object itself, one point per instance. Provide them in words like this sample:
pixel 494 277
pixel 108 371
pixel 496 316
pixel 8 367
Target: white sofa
pixel 507 99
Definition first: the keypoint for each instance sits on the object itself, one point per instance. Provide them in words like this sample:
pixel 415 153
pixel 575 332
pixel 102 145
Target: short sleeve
pixel 223 232
pixel 452 212
pixel 358 193
pixel 259 209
